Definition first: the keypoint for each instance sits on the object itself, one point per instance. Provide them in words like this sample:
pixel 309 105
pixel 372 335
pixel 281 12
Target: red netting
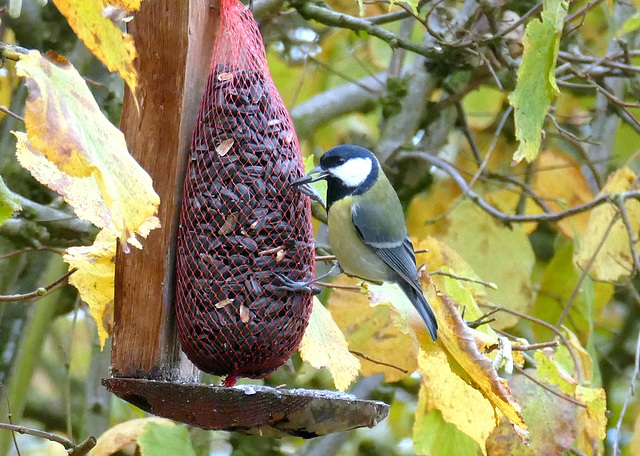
pixel 242 223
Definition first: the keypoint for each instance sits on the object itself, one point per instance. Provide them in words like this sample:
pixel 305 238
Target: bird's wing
pixel 388 239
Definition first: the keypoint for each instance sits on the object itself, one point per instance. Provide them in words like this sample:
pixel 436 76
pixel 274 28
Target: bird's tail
pixel 422 306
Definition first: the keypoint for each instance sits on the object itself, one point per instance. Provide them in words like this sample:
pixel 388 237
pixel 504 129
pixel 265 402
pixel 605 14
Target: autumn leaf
pixel 592 418
pixel 95 277
pixel 9 202
pixel 604 248
pixel 433 436
pixel 444 390
pixel 551 421
pixel 559 182
pixel 459 342
pixel 65 124
pixel 374 332
pixel 121 435
pixel 97 24
pixel 536 87
pixel 324 345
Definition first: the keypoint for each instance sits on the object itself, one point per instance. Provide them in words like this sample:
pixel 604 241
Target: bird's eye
pixel 341 161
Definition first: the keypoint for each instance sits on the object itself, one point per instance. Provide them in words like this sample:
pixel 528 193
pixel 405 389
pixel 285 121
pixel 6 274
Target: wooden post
pixel 174 40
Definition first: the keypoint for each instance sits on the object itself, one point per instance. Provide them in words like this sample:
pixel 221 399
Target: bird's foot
pixel 311 192
pixel 297 285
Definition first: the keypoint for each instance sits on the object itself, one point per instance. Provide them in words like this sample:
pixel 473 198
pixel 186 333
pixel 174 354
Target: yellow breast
pixel 354 256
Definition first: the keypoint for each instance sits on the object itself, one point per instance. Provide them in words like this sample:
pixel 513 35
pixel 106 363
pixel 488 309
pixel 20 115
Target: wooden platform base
pixel 259 410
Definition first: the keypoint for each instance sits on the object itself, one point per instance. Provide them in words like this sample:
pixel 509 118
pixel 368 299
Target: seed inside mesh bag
pixel 224 147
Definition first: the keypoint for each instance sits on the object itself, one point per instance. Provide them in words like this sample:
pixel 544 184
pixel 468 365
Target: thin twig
pixel 377 361
pixel 632 235
pixel 8 112
pixel 38 433
pixel 508 218
pixel 339 287
pixel 632 386
pixel 42 291
pixel 491 285
pixel 548 388
pixel 538 346
pixel 32 249
pixel 10 417
pixel 584 273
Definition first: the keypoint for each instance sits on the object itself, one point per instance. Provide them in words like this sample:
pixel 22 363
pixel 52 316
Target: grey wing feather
pixel 396 251
pixel 398 254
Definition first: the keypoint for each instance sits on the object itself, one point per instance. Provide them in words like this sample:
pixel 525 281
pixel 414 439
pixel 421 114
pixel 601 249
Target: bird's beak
pixel 309 178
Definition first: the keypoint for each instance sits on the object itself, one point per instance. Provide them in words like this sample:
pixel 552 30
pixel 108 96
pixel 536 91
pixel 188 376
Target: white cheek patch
pixel 354 172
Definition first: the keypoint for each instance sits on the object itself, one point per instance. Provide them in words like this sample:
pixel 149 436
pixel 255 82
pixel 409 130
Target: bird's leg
pixel 307 286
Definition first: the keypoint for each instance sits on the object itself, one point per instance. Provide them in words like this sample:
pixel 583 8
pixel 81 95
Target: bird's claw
pixel 297 286
pixel 312 193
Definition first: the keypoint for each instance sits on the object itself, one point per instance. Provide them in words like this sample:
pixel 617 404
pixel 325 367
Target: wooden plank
pixel 174 40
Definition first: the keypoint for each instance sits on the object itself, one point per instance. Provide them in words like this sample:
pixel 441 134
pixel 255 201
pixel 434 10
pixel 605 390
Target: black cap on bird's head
pixel 348 170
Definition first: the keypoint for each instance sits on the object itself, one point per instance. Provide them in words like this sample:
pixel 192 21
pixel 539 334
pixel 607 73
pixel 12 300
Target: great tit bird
pixel 367 229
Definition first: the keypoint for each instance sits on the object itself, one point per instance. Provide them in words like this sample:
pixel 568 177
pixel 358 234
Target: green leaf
pixel 536 87
pixel 9 202
pixel 435 437
pixel 630 25
pixel 559 279
pixel 161 440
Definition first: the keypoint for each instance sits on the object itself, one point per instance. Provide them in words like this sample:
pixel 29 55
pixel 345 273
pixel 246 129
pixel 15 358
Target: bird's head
pixel 348 170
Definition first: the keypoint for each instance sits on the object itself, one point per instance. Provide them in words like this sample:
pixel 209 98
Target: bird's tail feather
pixel 424 309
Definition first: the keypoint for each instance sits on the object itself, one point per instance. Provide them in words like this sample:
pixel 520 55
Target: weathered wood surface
pixel 174 40
pixel 252 409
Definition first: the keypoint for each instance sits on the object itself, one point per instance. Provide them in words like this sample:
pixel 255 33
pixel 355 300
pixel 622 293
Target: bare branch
pixel 331 18
pixel 40 292
pixel 508 218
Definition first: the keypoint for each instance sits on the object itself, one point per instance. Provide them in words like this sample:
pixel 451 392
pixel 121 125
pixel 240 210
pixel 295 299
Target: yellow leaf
pixel 559 181
pixel 65 124
pixel 324 345
pixel 551 372
pixel 445 391
pixel 594 417
pixel 55 449
pixel 442 257
pixel 459 342
pixel 119 436
pixel 372 331
pixel 82 193
pixel 424 208
pixel 94 278
pixel 591 420
pixel 482 106
pixel 97 24
pixel 610 258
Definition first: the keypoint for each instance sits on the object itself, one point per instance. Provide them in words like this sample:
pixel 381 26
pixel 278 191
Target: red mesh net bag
pixel 242 225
